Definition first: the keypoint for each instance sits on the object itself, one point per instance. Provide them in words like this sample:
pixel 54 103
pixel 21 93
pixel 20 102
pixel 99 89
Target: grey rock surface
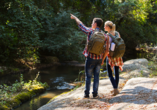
pixel 137 73
pixel 135 64
pixel 62 102
pixel 136 68
pixel 137 94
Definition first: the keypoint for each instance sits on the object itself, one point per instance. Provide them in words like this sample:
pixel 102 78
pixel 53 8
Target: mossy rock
pixel 4 107
pixel 12 103
pixel 37 89
pixel 22 97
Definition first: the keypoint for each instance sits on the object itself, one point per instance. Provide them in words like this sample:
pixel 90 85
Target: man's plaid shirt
pixel 88 32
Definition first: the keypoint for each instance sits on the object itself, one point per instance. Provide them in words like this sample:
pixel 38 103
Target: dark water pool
pixel 58 77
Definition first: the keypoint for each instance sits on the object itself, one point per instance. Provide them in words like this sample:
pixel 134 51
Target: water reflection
pixel 40 100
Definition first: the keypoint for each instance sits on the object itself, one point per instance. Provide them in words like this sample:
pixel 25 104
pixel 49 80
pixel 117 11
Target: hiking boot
pixel 95 96
pixel 115 92
pixel 86 96
pixel 112 91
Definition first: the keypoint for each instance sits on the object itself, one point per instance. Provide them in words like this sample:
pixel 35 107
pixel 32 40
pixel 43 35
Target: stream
pixel 57 77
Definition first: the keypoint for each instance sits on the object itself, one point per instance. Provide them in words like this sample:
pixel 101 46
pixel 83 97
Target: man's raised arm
pixel 85 29
pixel 76 19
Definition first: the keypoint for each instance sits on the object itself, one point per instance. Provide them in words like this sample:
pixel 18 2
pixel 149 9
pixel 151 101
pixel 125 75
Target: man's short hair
pixel 98 21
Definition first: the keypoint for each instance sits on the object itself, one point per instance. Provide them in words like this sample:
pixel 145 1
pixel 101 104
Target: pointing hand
pixel 72 16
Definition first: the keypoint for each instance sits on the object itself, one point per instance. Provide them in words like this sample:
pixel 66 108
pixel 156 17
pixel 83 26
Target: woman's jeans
pixel 92 67
pixel 113 80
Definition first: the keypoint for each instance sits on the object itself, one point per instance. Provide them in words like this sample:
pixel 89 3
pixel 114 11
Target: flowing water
pixel 57 77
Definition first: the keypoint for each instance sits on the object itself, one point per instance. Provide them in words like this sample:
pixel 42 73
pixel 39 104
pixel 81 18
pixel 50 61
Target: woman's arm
pixel 119 34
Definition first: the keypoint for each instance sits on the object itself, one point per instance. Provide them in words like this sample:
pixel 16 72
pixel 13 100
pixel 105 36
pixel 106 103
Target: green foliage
pixel 81 76
pixel 141 75
pixel 149 51
pixel 1 70
pixel 31 29
pixel 153 67
pixel 103 73
pixel 7 92
pixel 154 73
pixel 63 40
pixel 19 30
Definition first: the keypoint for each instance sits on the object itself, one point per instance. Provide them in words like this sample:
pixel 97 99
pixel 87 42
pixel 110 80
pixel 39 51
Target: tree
pixel 19 30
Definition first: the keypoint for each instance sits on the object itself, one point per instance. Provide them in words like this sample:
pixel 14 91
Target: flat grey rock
pixel 138 94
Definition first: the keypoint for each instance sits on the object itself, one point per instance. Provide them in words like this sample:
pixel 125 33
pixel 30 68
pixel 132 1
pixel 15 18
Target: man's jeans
pixel 92 66
pixel 114 81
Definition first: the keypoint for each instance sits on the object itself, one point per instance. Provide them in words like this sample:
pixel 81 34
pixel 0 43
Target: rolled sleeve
pixel 85 29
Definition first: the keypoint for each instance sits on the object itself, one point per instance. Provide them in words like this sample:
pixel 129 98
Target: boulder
pixel 138 93
pixel 136 68
pixel 135 64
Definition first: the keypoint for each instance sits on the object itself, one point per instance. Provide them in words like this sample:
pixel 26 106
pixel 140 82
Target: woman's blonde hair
pixel 111 25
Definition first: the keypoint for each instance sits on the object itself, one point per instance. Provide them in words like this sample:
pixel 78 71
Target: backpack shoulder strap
pixel 102 31
pixel 94 31
pixel 116 35
pixel 111 35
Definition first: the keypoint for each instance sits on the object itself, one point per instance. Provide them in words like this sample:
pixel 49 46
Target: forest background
pixel 33 29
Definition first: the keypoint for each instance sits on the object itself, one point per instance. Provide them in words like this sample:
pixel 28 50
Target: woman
pixel 113 63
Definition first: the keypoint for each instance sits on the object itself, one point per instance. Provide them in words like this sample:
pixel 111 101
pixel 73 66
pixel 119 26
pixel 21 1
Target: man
pixel 93 61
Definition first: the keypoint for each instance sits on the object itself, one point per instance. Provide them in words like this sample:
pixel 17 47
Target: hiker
pixel 93 61
pixel 113 64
